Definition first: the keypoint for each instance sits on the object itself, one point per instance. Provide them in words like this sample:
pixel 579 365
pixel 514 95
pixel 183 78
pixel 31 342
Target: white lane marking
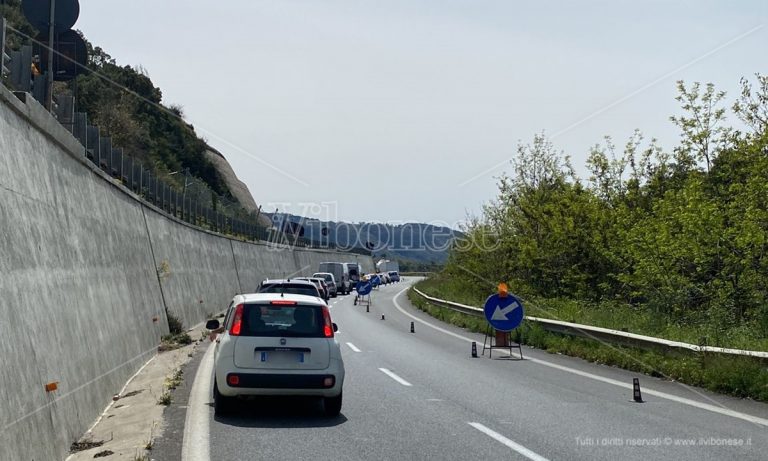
pixel 395 377
pixel 511 444
pixel 195 446
pixel 663 395
pixel 353 347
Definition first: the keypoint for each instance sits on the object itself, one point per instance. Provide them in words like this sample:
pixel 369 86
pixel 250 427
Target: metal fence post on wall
pixel 80 128
pixel 3 57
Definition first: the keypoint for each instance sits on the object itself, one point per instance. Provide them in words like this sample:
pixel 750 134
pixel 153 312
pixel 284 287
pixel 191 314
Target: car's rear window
pixel 286 321
pixel 290 288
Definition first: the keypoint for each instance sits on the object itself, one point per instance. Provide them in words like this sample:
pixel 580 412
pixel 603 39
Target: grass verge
pixel 737 376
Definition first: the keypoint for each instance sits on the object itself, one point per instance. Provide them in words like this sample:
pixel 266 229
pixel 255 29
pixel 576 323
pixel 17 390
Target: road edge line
pixel 195 443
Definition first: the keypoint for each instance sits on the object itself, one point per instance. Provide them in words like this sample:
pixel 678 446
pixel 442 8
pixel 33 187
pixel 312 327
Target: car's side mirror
pixel 212 324
pixel 335 328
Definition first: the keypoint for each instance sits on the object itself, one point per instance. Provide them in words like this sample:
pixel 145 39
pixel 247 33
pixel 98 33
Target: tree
pixel 700 124
pixel 752 108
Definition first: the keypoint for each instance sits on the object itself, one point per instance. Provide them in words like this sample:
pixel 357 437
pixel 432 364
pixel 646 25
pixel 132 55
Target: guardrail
pixel 598 333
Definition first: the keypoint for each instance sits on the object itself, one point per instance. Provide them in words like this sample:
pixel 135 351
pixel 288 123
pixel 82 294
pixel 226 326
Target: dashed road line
pixel 509 443
pixel 353 347
pixel 395 377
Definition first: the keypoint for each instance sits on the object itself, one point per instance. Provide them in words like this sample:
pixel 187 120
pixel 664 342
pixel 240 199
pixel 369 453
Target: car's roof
pixel 266 297
pixel 285 281
pixel 322 273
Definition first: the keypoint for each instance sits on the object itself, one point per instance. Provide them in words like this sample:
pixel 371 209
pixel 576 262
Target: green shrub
pixel 175 326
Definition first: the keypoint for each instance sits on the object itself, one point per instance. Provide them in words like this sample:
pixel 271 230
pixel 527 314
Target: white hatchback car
pixel 277 344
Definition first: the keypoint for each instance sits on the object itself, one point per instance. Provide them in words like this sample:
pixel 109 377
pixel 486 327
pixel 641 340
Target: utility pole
pixel 49 84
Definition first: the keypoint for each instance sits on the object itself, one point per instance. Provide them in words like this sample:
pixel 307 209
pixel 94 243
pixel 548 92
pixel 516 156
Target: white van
pixel 340 272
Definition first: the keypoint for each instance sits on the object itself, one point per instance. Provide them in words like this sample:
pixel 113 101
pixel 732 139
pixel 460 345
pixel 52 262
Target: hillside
pixel 125 104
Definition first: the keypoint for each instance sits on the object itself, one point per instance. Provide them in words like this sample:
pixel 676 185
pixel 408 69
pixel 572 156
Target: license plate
pixel 282 356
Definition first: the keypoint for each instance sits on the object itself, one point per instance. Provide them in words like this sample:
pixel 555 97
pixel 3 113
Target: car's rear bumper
pixel 289 383
pixel 283 381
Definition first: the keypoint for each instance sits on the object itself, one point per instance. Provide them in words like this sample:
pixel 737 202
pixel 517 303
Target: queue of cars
pixel 280 340
pixel 383 278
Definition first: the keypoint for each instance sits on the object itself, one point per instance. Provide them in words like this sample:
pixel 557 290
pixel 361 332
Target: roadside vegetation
pixel 171 383
pixel 672 244
pixel 177 337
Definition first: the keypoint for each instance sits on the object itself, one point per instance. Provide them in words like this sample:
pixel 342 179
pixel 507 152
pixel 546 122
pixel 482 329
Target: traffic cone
pixel 382 316
pixel 413 330
pixel 474 349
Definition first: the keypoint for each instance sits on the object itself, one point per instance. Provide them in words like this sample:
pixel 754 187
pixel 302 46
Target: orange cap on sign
pixel 503 290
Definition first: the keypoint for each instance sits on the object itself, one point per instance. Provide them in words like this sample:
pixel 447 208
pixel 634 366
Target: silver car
pixel 330 282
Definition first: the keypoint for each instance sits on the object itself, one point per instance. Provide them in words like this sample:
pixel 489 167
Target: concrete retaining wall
pixel 87 271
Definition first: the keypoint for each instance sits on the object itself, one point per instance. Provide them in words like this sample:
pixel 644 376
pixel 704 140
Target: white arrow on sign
pixel 501 314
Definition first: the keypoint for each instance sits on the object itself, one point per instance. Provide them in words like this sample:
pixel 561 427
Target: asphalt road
pixel 421 396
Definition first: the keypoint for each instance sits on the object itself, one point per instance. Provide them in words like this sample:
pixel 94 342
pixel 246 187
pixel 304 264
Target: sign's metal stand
pixel 363 300
pixel 495 339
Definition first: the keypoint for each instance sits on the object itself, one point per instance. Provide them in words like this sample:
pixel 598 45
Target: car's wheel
pixel 222 405
pixel 332 405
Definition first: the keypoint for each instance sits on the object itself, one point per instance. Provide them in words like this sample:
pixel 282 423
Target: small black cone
pixel 474 349
pixel 637 397
pixel 413 330
pixel 367 308
pixel 382 316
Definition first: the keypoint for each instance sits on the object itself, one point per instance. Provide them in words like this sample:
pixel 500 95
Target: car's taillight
pixel 237 321
pixel 233 380
pixel 282 302
pixel 328 325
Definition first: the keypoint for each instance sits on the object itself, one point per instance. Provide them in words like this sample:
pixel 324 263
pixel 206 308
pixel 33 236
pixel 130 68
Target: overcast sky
pixel 385 110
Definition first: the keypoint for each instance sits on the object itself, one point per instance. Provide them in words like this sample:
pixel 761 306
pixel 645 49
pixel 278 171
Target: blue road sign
pixel 504 314
pixel 364 288
pixel 375 280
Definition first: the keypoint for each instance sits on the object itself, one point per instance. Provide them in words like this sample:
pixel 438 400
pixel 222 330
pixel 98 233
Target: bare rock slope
pixel 238 188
